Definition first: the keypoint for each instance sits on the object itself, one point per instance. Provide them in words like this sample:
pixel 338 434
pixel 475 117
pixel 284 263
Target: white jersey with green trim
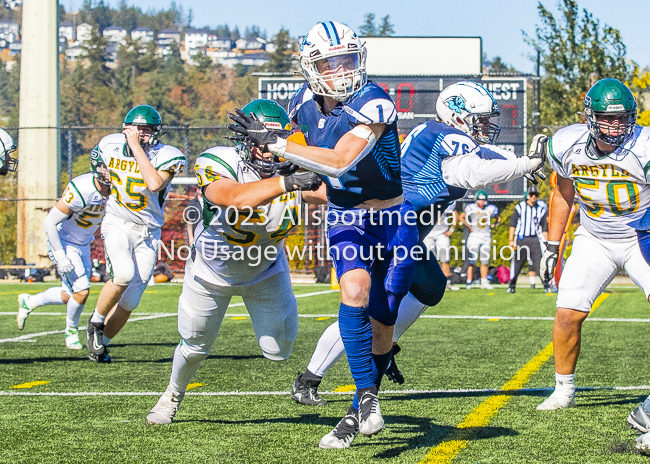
pixel 130 198
pixel 480 219
pixel 241 247
pixel 87 205
pixel 612 190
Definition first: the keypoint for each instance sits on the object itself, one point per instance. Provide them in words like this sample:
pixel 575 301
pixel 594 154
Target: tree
pixel 574 51
pixel 497 66
pixel 368 29
pixel 280 60
pixel 385 28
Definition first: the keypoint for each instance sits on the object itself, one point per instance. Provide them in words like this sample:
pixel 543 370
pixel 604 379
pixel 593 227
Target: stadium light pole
pixel 38 138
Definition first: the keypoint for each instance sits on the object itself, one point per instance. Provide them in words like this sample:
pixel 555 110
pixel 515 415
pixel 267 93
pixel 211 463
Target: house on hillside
pixel 196 38
pixel 219 44
pixel 9 31
pixel 66 30
pixel 167 36
pixel 115 34
pixel 144 34
pixel 84 32
pixel 257 44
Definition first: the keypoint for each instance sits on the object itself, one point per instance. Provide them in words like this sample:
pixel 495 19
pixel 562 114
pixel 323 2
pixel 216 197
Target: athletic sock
pixel 97 318
pixel 484 280
pixel 565 383
pixel 328 350
pixel 380 363
pixel 409 311
pixel 105 340
pixel 531 280
pixel 311 379
pixel 51 296
pixel 184 366
pixel 73 312
pixel 356 333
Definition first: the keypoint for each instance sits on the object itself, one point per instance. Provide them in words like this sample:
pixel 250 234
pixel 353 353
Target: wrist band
pixel 282 187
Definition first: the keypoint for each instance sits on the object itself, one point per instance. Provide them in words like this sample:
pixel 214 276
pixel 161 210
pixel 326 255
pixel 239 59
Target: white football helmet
pixel 7 163
pixel 468 106
pixel 327 47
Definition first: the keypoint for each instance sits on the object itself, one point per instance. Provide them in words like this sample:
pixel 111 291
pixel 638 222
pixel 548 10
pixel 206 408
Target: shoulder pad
pixel 217 162
pixel 169 158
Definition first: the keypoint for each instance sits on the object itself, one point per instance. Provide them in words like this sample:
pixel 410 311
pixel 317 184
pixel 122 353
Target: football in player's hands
pixel 301 181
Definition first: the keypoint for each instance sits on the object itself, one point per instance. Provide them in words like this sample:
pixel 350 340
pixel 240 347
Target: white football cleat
pixel 165 409
pixel 643 443
pixel 72 338
pixel 342 435
pixel 370 419
pixel 486 286
pixel 558 401
pixel 23 310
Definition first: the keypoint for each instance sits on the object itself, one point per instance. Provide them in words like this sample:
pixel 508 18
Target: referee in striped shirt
pixel 528 225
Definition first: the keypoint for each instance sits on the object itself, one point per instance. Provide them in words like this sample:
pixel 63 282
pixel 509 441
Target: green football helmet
pixel 145 115
pixel 276 119
pixel 98 168
pixel 610 97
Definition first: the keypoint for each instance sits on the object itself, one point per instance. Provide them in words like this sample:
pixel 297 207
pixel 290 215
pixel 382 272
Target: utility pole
pixel 38 139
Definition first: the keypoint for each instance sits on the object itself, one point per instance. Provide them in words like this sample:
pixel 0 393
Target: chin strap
pixel 593 150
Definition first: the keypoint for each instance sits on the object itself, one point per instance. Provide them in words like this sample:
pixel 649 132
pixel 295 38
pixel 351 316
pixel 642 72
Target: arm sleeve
pixel 52 220
pixel 514 218
pixel 494 152
pixel 472 172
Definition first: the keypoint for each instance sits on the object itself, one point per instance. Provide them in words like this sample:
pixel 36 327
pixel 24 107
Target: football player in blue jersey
pixel 441 159
pixel 350 125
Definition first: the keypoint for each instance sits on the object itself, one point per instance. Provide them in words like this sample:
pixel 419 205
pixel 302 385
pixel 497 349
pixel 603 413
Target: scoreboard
pixel 415 99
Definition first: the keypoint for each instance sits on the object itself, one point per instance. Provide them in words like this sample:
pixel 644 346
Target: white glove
pixel 549 261
pixel 63 263
pixel 537 155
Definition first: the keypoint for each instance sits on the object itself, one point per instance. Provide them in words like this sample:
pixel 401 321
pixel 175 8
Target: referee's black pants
pixel 528 250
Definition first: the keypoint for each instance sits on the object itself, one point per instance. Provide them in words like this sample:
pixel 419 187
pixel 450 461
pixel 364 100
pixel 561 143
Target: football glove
pixel 250 130
pixel 63 263
pixel 537 154
pixel 285 168
pixel 300 181
pixel 549 261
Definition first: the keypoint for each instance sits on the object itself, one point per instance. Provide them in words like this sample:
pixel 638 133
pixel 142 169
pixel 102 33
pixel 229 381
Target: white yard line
pixel 285 393
pixel 29 337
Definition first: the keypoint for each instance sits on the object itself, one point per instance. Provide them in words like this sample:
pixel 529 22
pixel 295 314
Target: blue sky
pixel 498 22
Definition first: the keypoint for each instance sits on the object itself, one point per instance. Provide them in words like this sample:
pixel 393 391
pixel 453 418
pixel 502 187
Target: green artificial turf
pixel 437 354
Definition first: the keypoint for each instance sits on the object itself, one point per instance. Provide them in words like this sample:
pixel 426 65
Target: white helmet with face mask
pixel 330 46
pixel 468 106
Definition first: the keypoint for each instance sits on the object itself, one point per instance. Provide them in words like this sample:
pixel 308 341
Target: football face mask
pixel 468 106
pixel 333 60
pixel 7 163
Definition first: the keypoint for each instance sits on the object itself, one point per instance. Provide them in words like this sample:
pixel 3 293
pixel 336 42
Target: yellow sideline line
pixel 446 451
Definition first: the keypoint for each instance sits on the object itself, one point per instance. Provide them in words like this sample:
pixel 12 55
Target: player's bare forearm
pixel 346 150
pixel 318 197
pixel 155 180
pixel 511 234
pixel 226 192
pixel 561 208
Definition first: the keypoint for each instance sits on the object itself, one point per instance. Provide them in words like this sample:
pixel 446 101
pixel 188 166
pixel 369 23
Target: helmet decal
pixel 331 33
pixel 456 103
